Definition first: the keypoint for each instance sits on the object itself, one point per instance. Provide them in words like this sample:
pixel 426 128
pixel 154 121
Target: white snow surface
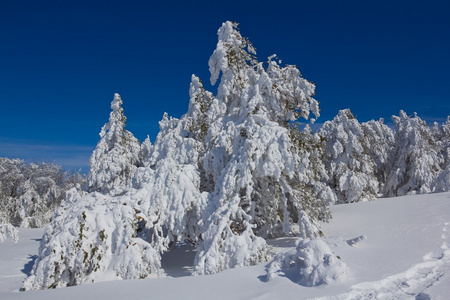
pixel 398 250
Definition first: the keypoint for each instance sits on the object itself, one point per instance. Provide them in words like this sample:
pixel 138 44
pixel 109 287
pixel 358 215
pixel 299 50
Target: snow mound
pixel 310 263
pixel 356 240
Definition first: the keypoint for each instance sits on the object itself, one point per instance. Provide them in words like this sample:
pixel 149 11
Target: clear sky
pixel 62 61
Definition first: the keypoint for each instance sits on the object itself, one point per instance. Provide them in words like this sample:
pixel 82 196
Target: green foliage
pixel 102 235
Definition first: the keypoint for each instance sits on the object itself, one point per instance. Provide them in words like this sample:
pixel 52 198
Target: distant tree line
pixel 30 193
pixel 369 160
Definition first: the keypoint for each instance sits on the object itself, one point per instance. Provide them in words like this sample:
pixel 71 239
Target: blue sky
pixel 62 61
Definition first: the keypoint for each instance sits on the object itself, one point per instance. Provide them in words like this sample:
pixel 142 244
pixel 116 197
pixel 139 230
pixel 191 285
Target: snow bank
pixel 405 256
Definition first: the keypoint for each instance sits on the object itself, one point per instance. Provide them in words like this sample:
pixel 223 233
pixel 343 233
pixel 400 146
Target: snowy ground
pixel 405 256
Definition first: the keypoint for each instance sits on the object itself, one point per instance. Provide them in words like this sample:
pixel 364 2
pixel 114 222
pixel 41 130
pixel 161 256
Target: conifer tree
pixel 146 149
pixel 442 136
pixel 258 173
pixel 117 155
pixel 351 168
pixel 445 143
pixel 171 195
pixel 380 142
pixel 415 161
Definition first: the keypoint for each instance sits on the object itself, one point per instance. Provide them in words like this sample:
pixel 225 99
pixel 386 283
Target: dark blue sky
pixel 62 61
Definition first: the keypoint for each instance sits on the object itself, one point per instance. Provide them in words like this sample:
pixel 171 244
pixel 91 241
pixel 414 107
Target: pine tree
pixel 117 155
pixel 351 168
pixel 445 143
pixel 415 160
pixel 380 142
pixel 146 149
pixel 442 137
pixel 171 196
pixel 257 170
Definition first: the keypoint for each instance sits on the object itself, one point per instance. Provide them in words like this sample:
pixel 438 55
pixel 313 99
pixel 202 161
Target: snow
pixel 310 263
pixel 399 251
pixel 16 259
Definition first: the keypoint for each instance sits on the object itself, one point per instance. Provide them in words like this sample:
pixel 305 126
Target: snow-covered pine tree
pixel 380 140
pixel 314 193
pixel 116 156
pixel 415 161
pixel 257 169
pixel 146 149
pixel 169 194
pixel 351 168
pixel 444 139
pixel 442 136
pixel 125 235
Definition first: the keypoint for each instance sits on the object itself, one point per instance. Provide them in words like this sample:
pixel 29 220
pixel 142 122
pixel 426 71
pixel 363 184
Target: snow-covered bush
pixel 415 162
pixel 117 155
pixel 90 235
pixel 352 170
pixel 8 230
pixel 310 263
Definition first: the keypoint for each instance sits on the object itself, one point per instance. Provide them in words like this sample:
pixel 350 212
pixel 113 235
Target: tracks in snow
pixel 411 284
